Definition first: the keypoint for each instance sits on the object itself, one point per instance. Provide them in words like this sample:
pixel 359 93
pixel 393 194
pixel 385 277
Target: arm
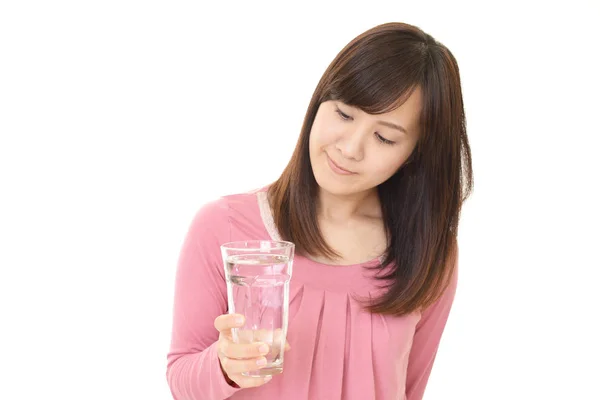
pixel 193 368
pixel 428 333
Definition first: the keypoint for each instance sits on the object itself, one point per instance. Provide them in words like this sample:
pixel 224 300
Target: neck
pixel 343 208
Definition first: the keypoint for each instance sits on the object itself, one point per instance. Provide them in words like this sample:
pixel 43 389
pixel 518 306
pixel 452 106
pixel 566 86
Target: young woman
pixel 371 198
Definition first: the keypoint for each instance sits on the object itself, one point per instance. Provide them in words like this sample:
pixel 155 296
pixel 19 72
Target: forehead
pixel 410 109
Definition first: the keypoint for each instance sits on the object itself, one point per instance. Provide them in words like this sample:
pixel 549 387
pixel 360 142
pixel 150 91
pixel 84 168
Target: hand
pixel 238 358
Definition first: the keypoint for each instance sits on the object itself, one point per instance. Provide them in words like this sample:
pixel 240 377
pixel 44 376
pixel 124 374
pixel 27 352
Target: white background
pixel 118 119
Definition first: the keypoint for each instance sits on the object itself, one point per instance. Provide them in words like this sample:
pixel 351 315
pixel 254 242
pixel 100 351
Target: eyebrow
pixel 388 124
pixel 393 126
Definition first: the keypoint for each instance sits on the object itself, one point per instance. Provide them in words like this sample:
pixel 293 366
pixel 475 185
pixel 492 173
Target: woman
pixel 371 197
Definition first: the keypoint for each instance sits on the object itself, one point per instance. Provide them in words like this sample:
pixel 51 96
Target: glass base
pixel 266 371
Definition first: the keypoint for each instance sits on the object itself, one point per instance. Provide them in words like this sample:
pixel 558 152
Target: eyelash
pixel 346 117
pixel 383 140
pixel 342 115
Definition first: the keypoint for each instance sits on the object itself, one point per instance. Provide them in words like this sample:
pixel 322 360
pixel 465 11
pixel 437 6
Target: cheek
pixel 387 166
pixel 319 139
pixel 314 145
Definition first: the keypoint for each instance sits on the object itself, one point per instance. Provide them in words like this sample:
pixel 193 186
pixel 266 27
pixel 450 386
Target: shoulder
pixel 209 224
pixel 219 211
pixel 445 299
pixel 215 210
pixel 451 281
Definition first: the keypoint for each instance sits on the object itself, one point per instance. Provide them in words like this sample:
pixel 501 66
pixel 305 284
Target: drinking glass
pixel 258 274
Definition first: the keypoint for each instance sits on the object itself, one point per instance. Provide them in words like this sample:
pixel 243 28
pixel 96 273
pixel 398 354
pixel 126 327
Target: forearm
pixel 198 376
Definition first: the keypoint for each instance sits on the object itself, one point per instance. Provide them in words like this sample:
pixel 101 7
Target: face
pixel 353 152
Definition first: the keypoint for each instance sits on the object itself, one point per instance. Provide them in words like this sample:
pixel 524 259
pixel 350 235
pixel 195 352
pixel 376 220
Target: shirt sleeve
pixel 428 333
pixel 193 368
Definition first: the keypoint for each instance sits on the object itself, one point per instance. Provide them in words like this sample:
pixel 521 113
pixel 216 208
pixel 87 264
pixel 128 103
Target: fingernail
pixel 268 378
pixel 239 320
pixel 263 349
pixel 261 362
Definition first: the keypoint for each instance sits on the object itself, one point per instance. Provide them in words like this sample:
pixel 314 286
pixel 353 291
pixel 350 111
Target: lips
pixel 337 169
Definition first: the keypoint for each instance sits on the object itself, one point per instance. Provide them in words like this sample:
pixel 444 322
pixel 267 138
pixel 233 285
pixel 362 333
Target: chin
pixel 335 186
pixel 328 181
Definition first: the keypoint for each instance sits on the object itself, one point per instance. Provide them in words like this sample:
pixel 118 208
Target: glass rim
pixel 257 244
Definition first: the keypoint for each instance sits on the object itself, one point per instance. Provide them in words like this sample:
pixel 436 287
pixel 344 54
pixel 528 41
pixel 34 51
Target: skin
pixel 349 212
pixel 237 358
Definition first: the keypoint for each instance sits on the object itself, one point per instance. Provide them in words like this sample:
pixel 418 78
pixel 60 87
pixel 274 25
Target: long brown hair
pixel 376 72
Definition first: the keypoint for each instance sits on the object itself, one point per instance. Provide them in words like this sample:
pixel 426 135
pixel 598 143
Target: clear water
pixel 258 288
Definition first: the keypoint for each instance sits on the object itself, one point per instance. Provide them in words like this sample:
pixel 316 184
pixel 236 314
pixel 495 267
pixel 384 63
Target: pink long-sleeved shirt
pixel 338 350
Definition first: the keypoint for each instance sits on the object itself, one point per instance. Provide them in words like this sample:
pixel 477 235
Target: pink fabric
pixel 338 351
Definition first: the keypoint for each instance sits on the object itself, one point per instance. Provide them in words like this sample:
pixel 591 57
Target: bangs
pixel 379 78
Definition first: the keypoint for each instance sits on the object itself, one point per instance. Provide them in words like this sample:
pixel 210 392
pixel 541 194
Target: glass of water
pixel 258 274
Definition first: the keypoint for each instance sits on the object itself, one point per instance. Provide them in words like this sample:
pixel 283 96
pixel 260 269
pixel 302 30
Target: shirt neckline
pixel 266 215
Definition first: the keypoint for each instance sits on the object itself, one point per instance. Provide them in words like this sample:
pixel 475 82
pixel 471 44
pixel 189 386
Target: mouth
pixel 337 169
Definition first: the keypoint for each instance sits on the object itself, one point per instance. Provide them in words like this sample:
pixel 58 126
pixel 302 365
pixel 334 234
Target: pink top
pixel 338 350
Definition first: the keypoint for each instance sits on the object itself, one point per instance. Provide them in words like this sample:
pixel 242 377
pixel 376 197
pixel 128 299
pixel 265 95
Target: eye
pixel 343 116
pixel 383 140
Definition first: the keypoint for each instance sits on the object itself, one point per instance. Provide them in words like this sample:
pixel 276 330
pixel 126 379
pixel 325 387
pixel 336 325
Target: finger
pixel 247 382
pixel 225 322
pixel 287 346
pixel 233 366
pixel 242 350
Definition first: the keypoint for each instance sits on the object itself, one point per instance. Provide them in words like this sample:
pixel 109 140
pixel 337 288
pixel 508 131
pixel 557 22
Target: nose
pixel 351 145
